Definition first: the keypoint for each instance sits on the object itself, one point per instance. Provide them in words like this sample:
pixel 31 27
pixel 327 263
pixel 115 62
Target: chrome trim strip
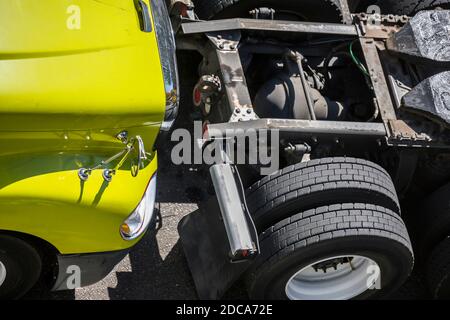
pixel 167 53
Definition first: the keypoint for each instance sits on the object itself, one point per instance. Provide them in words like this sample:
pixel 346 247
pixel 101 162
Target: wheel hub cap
pixel 336 278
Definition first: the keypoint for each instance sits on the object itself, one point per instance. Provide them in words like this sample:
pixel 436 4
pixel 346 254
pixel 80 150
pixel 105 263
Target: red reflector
pixel 197 97
pixel 184 10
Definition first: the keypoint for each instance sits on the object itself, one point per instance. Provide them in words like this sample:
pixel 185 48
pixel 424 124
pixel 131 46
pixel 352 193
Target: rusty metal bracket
pixel 379 82
pixel 303 128
pixel 233 77
pixel 269 25
pixel 403 134
pixel 378 26
pixel 346 13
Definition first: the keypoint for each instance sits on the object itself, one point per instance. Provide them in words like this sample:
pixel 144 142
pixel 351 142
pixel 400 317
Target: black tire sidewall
pixel 263 219
pixel 390 255
pixel 23 267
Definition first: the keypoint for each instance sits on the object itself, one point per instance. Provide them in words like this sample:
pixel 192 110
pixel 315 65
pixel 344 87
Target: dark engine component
pixel 431 98
pixel 425 36
pixel 284 97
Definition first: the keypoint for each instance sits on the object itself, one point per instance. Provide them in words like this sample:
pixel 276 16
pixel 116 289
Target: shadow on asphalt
pixel 152 277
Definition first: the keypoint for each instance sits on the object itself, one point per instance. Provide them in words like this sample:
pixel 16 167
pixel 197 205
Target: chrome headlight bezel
pixel 139 220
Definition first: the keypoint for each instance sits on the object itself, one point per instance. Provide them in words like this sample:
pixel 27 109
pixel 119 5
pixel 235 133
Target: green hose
pixel 358 63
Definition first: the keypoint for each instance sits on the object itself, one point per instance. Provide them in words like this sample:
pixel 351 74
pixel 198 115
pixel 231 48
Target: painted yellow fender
pixel 74 74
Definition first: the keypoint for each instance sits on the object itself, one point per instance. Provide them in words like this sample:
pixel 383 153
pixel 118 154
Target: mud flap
pixel 205 244
pixel 425 36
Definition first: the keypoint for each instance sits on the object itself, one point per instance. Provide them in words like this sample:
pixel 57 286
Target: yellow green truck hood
pixel 73 74
pixel 75 65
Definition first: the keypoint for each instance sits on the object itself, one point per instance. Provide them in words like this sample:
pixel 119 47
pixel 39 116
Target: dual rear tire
pixel 329 229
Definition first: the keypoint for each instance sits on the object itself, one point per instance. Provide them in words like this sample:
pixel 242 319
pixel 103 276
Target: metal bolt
pixel 123 136
pixel 108 174
pixel 83 174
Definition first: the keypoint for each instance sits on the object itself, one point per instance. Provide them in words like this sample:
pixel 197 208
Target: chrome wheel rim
pixel 2 273
pixel 335 278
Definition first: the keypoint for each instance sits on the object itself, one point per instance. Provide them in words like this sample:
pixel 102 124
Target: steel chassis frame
pixel 225 36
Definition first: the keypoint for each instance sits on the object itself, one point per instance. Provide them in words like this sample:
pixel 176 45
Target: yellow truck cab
pixel 86 87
